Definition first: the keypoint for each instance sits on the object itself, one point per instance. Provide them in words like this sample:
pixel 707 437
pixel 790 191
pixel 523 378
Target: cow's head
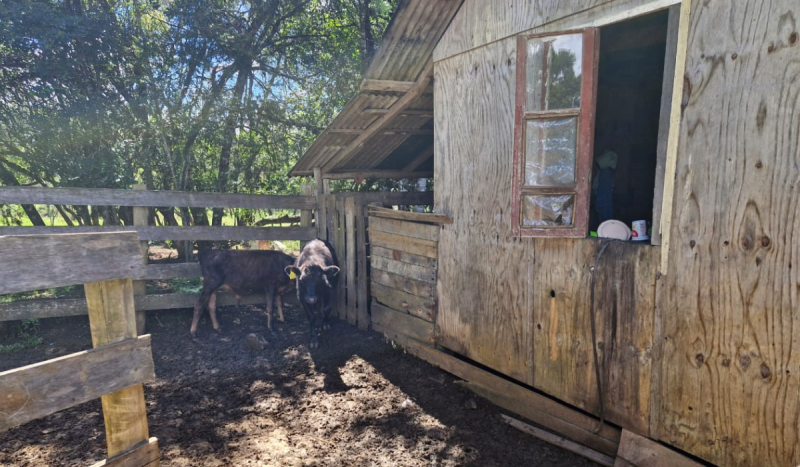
pixel 310 278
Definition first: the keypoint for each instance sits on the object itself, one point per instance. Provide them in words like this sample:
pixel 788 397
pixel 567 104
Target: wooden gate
pixel 403 250
pixel 120 361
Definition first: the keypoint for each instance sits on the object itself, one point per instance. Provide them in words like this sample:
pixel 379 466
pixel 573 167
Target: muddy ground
pixel 356 401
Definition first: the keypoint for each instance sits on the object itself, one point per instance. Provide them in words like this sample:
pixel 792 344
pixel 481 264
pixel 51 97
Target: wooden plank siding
pixel 479 23
pixel 730 374
pixel 485 296
pixel 41 389
pixel 45 261
pixel 624 311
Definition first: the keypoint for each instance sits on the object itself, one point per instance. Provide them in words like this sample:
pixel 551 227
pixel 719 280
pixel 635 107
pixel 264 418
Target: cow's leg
pixel 326 314
pixel 212 310
pixel 270 291
pixel 279 303
pixel 199 306
pixel 311 315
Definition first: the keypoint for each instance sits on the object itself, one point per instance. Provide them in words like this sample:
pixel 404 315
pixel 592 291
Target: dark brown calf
pixel 242 272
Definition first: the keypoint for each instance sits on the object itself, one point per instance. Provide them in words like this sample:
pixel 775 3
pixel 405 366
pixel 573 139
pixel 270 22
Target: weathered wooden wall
pixel 731 369
pixel 485 296
pixel 481 22
pixel 494 291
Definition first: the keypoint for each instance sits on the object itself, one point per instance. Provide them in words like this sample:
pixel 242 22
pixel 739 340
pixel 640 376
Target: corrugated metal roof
pixel 405 51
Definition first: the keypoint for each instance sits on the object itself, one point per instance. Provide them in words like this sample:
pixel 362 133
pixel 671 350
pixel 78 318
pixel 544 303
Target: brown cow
pixel 243 272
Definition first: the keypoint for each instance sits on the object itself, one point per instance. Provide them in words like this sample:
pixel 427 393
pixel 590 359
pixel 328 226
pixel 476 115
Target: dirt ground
pixel 356 401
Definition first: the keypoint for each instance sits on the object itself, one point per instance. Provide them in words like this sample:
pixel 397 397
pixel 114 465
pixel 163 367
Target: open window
pixel 554 133
pixel 592 116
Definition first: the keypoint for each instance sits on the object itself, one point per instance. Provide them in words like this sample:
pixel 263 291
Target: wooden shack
pixel 537 119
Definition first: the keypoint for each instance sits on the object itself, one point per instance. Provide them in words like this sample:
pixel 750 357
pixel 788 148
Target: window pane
pixel 550 147
pixel 554 72
pixel 547 210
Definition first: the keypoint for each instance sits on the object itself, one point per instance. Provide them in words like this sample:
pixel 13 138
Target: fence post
pixel 112 318
pixel 140 218
pixel 321 212
pixel 307 189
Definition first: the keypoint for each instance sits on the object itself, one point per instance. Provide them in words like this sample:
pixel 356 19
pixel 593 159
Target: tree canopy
pixel 198 95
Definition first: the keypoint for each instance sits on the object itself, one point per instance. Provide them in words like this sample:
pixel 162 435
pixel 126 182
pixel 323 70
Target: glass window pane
pixel 547 210
pixel 550 147
pixel 554 72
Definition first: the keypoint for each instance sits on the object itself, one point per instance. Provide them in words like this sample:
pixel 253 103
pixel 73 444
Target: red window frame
pixel 585 140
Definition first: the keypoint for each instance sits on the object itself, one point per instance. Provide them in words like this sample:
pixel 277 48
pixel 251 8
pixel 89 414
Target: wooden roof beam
pixel 379 174
pixel 405 113
pixel 376 85
pixel 396 109
pixel 419 160
pixel 389 131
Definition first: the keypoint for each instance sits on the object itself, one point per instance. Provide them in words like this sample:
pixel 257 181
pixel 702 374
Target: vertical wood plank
pixel 307 189
pixel 350 241
pixel 341 251
pixel 111 319
pixel 140 217
pixel 731 361
pixel 363 275
pixel 665 119
pixel 321 212
pixel 330 219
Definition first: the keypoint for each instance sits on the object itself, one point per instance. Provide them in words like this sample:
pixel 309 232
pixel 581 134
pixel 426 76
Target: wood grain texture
pixel 362 282
pixel 410 216
pixel 730 374
pixel 424 308
pixel 389 321
pixel 173 271
pixel 56 308
pixel 111 319
pixel 639 451
pixel 484 274
pixel 350 241
pixel 665 119
pixel 415 246
pixel 395 281
pixel 158 234
pixel 144 454
pixel 44 261
pixel 624 310
pixel 409 229
pixel 41 389
pixel 556 440
pixel 141 218
pixel 409 270
pixel 479 22
pixel 517 399
pixel 145 198
pixel 402 256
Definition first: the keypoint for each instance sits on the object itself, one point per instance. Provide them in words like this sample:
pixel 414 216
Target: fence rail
pixel 149 198
pixel 152 233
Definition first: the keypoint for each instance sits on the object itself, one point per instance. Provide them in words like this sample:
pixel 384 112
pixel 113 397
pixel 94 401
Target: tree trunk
pixel 9 179
pixel 367 39
pixel 227 144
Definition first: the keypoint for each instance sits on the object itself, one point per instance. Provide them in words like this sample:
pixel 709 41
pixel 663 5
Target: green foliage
pixel 198 95
pixel 27 331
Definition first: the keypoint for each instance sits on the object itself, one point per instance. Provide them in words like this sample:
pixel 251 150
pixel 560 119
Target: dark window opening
pixel 629 95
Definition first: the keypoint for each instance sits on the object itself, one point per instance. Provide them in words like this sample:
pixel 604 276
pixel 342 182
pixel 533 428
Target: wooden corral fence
pixel 403 248
pixel 343 219
pixel 141 200
pixel 120 361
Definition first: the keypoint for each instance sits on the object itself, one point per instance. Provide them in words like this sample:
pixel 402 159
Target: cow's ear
pixel 331 271
pixel 292 271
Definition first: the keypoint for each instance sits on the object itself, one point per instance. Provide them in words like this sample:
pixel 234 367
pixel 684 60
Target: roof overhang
pixel 387 128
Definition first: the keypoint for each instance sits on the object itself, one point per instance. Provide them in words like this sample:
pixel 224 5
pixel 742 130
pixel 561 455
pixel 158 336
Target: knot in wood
pixel 759 164
pixel 734 56
pixel 700 359
pixel 765 372
pixel 745 361
pixel 793 38
pixel 765 241
pixel 747 242
pixel 692 244
pixel 726 362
